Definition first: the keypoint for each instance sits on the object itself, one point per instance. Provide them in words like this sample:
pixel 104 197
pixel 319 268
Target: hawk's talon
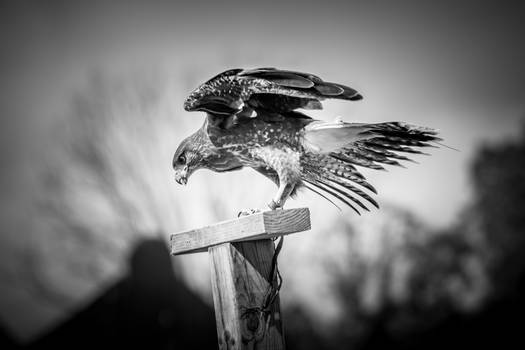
pixel 246 212
pixel 274 205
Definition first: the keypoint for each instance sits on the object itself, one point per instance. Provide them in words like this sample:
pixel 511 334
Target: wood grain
pixel 261 225
pixel 240 273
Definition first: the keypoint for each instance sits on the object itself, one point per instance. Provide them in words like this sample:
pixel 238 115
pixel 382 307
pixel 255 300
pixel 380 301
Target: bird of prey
pixel 252 120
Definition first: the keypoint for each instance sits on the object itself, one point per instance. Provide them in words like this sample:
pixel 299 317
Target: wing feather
pixel 269 89
pixel 368 145
pixel 329 89
pixel 336 148
pixel 283 78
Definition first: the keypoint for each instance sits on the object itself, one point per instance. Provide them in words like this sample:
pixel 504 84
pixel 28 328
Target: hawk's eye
pixel 181 159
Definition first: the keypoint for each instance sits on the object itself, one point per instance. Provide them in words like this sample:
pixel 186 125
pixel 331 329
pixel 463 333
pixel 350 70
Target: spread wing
pixel 337 148
pixel 273 90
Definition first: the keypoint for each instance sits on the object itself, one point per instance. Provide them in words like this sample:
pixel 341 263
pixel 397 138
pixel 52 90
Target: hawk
pixel 252 120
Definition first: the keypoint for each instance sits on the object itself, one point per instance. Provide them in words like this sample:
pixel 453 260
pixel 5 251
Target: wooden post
pixel 241 252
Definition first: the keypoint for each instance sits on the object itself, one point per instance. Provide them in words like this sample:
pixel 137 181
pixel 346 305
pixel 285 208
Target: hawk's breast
pixel 284 160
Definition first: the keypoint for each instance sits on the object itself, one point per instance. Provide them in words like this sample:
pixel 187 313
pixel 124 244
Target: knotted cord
pixel 262 313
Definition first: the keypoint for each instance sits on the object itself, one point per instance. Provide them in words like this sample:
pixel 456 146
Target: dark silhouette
pixel 148 309
pixel 6 342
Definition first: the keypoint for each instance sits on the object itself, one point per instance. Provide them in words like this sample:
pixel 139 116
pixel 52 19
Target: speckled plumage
pixel 251 122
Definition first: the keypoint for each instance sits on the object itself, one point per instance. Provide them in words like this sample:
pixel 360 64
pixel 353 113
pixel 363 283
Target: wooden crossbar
pixel 262 225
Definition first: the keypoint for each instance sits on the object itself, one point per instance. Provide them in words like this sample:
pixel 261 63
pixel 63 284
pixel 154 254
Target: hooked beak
pixel 181 180
pixel 182 177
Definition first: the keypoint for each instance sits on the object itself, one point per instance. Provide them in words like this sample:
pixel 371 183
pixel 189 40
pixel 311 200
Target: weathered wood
pixel 261 225
pixel 241 253
pixel 240 280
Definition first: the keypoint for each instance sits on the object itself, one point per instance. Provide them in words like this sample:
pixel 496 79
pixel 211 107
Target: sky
pixel 454 66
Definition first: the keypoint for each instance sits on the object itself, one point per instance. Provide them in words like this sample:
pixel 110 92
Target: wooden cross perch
pixel 241 252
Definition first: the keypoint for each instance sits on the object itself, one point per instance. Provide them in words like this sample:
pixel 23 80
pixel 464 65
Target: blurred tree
pixel 415 282
pixel 499 181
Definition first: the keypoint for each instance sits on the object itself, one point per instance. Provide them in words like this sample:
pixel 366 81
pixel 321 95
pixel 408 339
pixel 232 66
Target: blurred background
pixel 91 114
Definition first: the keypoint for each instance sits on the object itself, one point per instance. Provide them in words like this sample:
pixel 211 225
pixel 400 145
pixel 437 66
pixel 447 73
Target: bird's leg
pixel 281 196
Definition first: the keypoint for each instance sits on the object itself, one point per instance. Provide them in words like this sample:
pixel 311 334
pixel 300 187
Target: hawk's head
pixel 190 156
pixel 198 152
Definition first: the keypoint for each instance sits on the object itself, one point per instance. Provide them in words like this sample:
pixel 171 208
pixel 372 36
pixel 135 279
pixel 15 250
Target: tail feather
pixel 311 187
pixel 331 185
pixel 332 193
pixel 342 170
pixel 353 178
pixel 321 171
pixel 353 189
